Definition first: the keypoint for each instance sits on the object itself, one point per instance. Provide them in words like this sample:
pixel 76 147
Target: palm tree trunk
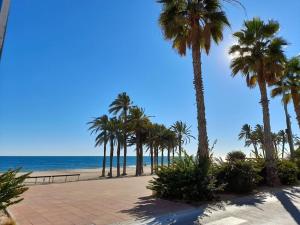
pixel 162 157
pixel 272 177
pixel 118 158
pixel 282 151
pixel 289 130
pixel 141 160
pixel 296 102
pixel 104 159
pixel 275 149
pixel 137 154
pixel 173 154
pixel 151 157
pixel 169 156
pixel 111 157
pixel 198 84
pixel 156 158
pixel 255 150
pixel 125 144
pixel 179 145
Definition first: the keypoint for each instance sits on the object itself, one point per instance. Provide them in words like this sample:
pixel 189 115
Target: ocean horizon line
pixel 50 163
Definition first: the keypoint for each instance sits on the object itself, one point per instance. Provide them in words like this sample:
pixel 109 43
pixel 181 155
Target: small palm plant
pixel 11 188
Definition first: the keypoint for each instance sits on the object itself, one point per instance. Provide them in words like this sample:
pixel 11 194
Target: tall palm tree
pixel 157 130
pixel 282 138
pixel 119 140
pixel 138 122
pixel 289 85
pixel 160 141
pixel 258 134
pixel 194 25
pixel 258 56
pixel 183 134
pixel 122 103
pixel 112 127
pixel 170 141
pixel 150 136
pixel 282 88
pixel 250 139
pixel 99 126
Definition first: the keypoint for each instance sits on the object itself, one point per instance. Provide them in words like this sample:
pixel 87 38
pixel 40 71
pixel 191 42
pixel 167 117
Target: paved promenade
pixel 274 206
pixel 98 202
pixel 127 201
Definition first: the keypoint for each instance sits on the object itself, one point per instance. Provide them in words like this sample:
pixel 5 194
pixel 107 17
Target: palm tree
pixel 100 126
pixel 258 134
pixel 282 138
pixel 289 85
pixel 138 123
pixel 170 142
pixel 150 141
pixel 183 134
pixel 250 139
pixel 120 141
pixel 122 103
pixel 156 143
pixel 194 24
pixel 282 88
pixel 276 139
pixel 293 75
pixel 112 127
pixel 258 56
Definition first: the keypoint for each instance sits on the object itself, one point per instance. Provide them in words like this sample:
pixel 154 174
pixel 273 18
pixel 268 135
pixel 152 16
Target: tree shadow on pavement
pixel 285 197
pixel 159 211
pixel 253 200
pixel 150 208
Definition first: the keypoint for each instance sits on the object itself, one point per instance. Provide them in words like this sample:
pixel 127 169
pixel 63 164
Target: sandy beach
pixel 85 174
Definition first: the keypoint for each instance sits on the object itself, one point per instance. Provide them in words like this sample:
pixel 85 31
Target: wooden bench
pixel 50 178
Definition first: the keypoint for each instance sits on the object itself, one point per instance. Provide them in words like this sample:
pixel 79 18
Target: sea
pixel 48 163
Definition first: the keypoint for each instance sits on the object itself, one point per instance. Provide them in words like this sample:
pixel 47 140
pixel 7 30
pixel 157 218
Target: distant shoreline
pixel 86 174
pixel 62 163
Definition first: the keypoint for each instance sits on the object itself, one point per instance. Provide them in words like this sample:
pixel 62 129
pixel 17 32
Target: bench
pixel 50 178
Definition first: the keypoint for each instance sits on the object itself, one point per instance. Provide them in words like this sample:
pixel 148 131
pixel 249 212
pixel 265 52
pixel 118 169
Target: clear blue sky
pixel 64 61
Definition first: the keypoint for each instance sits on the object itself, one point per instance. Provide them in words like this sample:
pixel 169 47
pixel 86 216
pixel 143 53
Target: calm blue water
pixel 46 163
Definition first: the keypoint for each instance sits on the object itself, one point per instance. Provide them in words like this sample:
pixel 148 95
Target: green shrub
pixel 287 172
pixel 187 179
pixel 235 155
pixel 11 187
pixel 238 176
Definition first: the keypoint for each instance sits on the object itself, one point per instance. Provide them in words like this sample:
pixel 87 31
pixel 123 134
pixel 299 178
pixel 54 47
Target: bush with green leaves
pixel 237 176
pixel 287 172
pixel 186 179
pixel 11 187
pixel 235 155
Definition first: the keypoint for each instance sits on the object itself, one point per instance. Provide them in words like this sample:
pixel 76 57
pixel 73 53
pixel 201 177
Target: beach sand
pixel 85 174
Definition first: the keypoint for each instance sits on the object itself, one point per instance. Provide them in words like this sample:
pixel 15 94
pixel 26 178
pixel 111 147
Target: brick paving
pixel 98 202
